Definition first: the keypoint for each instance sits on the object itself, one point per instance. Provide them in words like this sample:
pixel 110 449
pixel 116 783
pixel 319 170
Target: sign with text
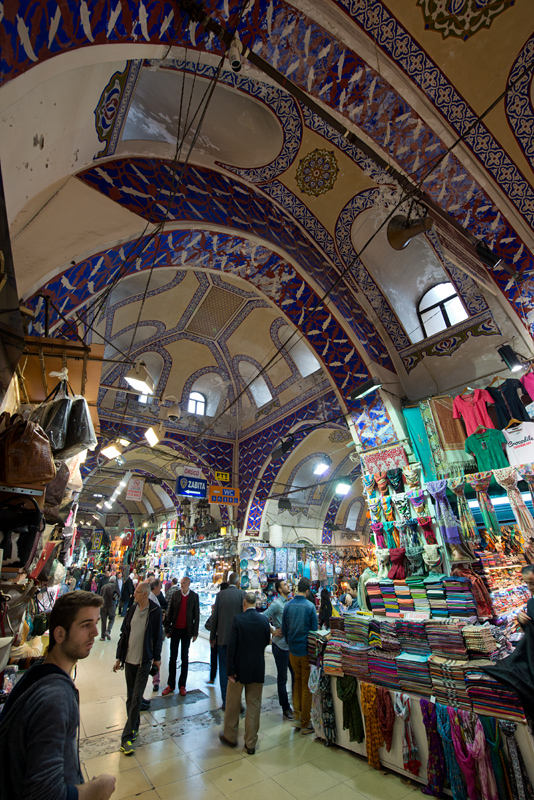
pixel 192 472
pixel 224 496
pixel 191 487
pixel 135 489
pixel 96 539
pixel 222 476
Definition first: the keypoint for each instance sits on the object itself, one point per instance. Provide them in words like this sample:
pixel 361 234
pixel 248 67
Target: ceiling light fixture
pixel 155 435
pixel 510 358
pixel 321 468
pixel 112 450
pixel 234 54
pixel 365 388
pixel 342 488
pixel 282 448
pixel 140 379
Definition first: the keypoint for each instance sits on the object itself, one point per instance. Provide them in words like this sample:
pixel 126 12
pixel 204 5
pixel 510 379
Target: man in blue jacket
pixel 298 619
pixel 139 647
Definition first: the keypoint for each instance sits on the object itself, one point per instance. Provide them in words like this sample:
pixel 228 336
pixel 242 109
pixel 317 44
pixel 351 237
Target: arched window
pixel 197 404
pixel 439 308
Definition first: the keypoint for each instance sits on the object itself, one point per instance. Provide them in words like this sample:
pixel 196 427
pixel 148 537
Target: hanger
pixel 513 421
pixel 496 378
pixel 480 428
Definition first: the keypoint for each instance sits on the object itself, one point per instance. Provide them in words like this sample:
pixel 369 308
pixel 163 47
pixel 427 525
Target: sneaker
pixel 108 637
pixel 155 687
pixel 102 639
pixel 308 730
pixel 288 714
pixel 135 734
pixel 167 691
pixel 182 691
pixel 145 704
pixel 127 748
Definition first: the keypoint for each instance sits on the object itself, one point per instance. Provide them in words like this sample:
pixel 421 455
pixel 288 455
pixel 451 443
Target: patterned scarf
pixel 402 506
pixel 436 767
pixel 329 717
pixel 467 520
pixel 368 484
pixel 527 473
pixel 398 570
pixel 445 518
pixel 411 476
pixel 387 507
pixel 521 785
pixel 480 482
pixel 347 691
pixel 417 499
pixel 386 715
pixel 454 774
pixel 410 753
pixel 381 480
pixel 378 530
pixel 507 478
pixel 395 479
pixel 375 508
pixel 390 530
pixel 426 525
pixel 373 734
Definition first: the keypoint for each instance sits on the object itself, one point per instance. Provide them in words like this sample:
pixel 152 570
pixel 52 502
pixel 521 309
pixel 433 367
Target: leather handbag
pixel 15 598
pixel 57 486
pixel 25 452
pixel 43 568
pixel 20 530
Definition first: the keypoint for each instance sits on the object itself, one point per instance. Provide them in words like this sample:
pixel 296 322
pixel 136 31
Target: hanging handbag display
pixel 25 452
pixel 43 568
pixel 53 415
pixel 20 529
pixel 80 431
pixel 39 619
pixel 15 599
pixel 55 490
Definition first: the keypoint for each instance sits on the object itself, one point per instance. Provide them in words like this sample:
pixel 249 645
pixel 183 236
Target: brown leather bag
pixel 25 452
pixel 57 487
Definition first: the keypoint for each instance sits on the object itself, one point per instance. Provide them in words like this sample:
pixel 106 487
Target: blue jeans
pixel 281 658
pixel 223 677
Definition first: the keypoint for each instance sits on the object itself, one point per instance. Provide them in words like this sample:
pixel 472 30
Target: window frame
pixel 194 400
pixel 441 305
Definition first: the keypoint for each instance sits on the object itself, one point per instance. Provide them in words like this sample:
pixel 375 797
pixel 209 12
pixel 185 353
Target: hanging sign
pixel 191 487
pixel 192 472
pixel 96 539
pixel 223 495
pixel 222 476
pixel 135 489
pixel 127 537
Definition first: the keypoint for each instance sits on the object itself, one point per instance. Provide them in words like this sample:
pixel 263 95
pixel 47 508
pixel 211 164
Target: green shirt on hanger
pixel 487 449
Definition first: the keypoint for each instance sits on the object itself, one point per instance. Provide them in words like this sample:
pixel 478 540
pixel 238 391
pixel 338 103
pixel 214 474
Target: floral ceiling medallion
pixel 317 172
pixel 461 18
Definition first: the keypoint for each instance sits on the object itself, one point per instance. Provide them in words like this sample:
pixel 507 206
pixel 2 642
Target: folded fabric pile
pixel 354 660
pixel 412 636
pixel 480 641
pixel 388 635
pixel 357 628
pixel 383 668
pixel 375 639
pixel 435 593
pixel 414 673
pixel 404 596
pixel 332 658
pixel 418 593
pixel 491 697
pixel 445 638
pixel 375 597
pixel 459 597
pixel 337 629
pixel 315 646
pixel 391 604
pixel 448 681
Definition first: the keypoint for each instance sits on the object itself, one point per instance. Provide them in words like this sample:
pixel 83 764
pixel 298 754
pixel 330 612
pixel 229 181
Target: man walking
pixel 181 626
pixel 245 664
pixel 227 605
pixel 139 646
pixel 39 727
pixel 279 645
pixel 127 593
pixel 110 596
pixel 298 619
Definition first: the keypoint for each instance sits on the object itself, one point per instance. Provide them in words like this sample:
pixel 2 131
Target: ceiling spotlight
pixel 145 524
pixel 98 495
pixel 282 448
pixel 140 379
pixel 321 468
pixel 99 505
pixel 174 413
pixel 108 505
pixel 284 504
pixel 234 55
pixel 487 256
pixel 112 450
pixel 155 435
pixel 342 488
pixel 510 358
pixel 365 388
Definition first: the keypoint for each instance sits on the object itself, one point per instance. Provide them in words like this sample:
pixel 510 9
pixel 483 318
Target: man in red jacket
pixel 181 626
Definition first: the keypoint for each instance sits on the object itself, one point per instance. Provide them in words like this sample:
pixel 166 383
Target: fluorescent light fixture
pixel 100 505
pixel 82 457
pixel 95 517
pixel 487 256
pixel 509 356
pixel 124 442
pixel 122 484
pixel 98 495
pixel 140 379
pixel 282 448
pixel 342 488
pixel 112 450
pixel 108 505
pixel 365 388
pixel 155 435
pixel 321 468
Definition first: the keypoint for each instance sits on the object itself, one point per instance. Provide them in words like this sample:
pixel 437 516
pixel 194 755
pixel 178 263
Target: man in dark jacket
pixel 139 647
pixel 110 596
pixel 227 605
pixel 181 626
pixel 127 594
pixel 245 663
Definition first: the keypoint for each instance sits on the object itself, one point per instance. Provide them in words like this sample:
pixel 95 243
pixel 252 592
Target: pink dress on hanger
pixel 472 409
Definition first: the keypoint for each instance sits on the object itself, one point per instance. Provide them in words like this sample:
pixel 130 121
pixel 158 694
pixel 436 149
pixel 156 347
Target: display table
pixel 393 759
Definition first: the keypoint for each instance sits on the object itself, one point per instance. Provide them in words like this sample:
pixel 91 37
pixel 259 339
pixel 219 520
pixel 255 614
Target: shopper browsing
pixel 298 619
pixel 351 598
pixel 181 626
pixel 227 605
pixel 139 647
pixel 279 645
pixel 39 727
pixel 110 597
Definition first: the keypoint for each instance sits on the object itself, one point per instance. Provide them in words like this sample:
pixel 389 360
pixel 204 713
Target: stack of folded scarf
pixel 436 596
pixel 489 696
pixel 357 628
pixel 480 641
pixel 388 635
pixel 448 681
pixel 412 636
pixel 459 597
pixel 375 597
pixel 337 629
pixel 383 668
pixel 354 660
pixel 418 593
pixel 332 658
pixel 445 638
pixel 390 598
pixel 414 674
pixel 404 596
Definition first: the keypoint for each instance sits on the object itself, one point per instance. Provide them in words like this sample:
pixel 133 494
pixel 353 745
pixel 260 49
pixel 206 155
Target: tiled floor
pixel 178 752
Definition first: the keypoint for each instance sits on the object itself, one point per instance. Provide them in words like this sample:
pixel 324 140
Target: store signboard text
pixel 135 489
pixel 225 496
pixel 191 487
pixel 222 476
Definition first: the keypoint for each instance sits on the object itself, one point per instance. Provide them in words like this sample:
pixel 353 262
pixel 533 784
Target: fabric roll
pixel 373 734
pixel 468 525
pixel 386 715
pixel 410 753
pixel 448 524
pixel 436 766
pixel 420 444
pixel 507 478
pixel 347 691
pixel 480 482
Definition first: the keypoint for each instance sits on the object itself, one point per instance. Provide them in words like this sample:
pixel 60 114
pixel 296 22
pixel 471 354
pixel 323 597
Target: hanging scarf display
pixel 426 525
pixel 381 480
pixel 385 714
pixel 527 473
pixel 378 531
pixel 375 508
pixel 436 767
pixel 329 717
pixel 395 479
pixel 480 482
pixel 388 509
pixel 507 477
pixel 420 442
pixel 453 773
pixel 402 506
pixel 494 741
pixel 410 753
pixel 368 483
pixel 410 533
pixel 390 530
pixel 415 563
pixel 476 744
pixel 432 558
pixel 383 561
pixel 397 571
pixel 373 734
pixel 467 521
pixel 465 760
pixel 412 477
pixel 347 691
pixel 448 524
pixel 521 785
pixel 417 499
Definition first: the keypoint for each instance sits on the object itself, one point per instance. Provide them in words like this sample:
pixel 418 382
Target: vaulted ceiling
pixel 221 224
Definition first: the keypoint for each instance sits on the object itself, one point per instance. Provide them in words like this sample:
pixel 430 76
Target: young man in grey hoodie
pixel 39 727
